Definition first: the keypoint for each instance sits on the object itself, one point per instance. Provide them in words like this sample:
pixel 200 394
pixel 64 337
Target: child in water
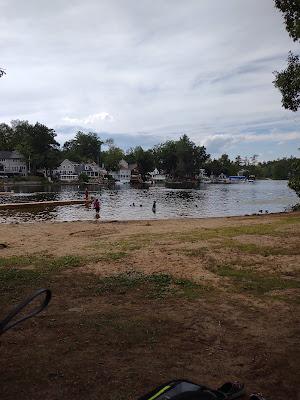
pixel 97 206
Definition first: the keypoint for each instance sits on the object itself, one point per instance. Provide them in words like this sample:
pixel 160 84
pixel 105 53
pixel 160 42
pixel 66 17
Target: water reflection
pixel 116 204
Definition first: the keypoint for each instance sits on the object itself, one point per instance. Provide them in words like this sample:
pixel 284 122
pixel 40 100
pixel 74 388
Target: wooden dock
pixel 53 203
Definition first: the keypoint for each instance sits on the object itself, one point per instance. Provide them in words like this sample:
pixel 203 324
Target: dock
pixel 52 203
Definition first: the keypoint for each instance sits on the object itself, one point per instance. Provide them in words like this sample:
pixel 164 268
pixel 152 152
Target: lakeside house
pixel 12 163
pixel 124 173
pixel 69 171
pixel 156 176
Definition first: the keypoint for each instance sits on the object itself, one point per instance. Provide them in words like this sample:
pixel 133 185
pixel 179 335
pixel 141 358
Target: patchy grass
pixel 192 290
pixel 270 229
pixel 62 263
pixel 291 219
pixel 253 282
pixel 153 286
pixel 199 252
pixel 265 251
pixel 126 330
pixel 17 277
pixel 113 256
pixel 17 261
pixel 206 234
pixel 129 243
pixel 42 262
pixel 32 271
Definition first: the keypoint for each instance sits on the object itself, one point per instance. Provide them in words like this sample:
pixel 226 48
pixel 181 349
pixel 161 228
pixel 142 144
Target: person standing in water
pixel 97 207
pixel 154 207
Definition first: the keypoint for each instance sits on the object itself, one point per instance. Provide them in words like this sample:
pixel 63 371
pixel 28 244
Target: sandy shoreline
pixel 61 237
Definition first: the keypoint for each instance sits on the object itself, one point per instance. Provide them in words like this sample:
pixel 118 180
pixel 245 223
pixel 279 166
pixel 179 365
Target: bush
pixel 83 177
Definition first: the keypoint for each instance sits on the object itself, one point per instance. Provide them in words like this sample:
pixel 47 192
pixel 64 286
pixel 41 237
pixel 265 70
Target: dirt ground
pixel 139 303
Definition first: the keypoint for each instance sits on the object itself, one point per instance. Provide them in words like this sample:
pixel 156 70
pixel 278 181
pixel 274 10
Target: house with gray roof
pixel 12 163
pixel 69 171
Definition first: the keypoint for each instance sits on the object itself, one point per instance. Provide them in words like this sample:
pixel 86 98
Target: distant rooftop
pixel 10 154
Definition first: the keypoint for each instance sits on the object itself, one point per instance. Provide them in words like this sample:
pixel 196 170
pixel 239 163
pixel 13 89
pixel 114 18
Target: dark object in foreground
pixel 185 390
pixel 9 321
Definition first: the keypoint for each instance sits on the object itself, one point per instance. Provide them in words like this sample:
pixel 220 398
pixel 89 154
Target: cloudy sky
pixel 144 71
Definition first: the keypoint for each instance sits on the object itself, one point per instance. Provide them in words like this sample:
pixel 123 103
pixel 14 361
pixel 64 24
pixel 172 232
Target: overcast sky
pixel 143 71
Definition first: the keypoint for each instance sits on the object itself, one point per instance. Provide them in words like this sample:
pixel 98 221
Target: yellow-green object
pixel 160 392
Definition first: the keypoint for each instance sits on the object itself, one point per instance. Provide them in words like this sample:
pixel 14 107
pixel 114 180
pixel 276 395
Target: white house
pixel 92 170
pixel 123 174
pixel 12 163
pixel 69 171
pixel 157 176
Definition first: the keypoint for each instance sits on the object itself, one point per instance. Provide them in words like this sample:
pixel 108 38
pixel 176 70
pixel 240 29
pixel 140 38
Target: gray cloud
pixel 161 68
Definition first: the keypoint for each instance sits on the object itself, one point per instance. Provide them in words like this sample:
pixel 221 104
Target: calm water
pixel 208 201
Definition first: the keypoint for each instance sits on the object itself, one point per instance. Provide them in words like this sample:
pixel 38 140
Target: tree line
pixel 177 158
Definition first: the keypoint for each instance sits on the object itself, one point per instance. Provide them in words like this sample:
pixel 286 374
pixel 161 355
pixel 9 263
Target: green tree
pixel 37 144
pixel 213 167
pixel 112 157
pixel 238 161
pixel 223 165
pixel 6 137
pixel 294 181
pixel 144 160
pixel 291 14
pixel 288 80
pixel 226 165
pixel 166 157
pixel 130 156
pixel 84 147
pixel 181 158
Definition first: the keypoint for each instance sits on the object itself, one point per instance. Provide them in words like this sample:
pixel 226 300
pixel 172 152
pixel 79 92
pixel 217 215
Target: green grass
pixel 265 251
pixel 112 256
pixel 206 234
pixel 42 262
pixel 250 281
pixel 32 270
pixel 38 271
pixel 271 229
pixel 10 278
pixel 62 263
pixel 151 286
pixel 17 261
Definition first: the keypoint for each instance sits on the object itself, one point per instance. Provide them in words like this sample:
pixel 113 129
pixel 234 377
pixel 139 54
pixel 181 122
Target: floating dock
pixel 53 203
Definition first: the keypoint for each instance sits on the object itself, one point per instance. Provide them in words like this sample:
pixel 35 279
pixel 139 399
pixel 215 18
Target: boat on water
pixel 122 182
pixel 206 180
pixel 237 178
pixel 251 178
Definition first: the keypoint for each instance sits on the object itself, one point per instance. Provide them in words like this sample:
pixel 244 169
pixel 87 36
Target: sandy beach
pixel 137 303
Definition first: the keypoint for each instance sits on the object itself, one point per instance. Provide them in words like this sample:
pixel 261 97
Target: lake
pixel 116 204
